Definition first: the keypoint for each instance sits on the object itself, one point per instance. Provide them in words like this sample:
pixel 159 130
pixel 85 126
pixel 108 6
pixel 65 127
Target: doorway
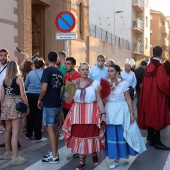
pixel 38 30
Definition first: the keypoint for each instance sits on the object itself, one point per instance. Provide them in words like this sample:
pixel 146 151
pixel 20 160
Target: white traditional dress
pixel 122 137
pixel 81 129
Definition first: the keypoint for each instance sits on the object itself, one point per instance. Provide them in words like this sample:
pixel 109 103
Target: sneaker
pixel 41 140
pixel 8 156
pixel 72 155
pixel 18 161
pixel 51 160
pixel 47 155
pixel 27 138
pixel 60 129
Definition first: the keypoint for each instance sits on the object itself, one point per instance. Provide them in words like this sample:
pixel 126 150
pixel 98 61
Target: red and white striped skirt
pixel 82 130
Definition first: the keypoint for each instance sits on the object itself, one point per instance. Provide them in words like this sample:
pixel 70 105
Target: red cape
pixel 153 106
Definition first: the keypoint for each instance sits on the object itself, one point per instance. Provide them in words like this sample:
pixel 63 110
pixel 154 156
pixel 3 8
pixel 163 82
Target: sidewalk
pixel 25 144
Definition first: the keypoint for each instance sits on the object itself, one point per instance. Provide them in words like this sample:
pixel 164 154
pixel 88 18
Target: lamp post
pixel 115 12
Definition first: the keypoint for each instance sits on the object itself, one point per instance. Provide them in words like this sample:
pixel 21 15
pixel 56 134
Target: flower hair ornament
pixel 130 61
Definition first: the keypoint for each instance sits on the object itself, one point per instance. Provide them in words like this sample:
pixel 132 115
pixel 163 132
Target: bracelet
pixel 103 113
pixel 131 114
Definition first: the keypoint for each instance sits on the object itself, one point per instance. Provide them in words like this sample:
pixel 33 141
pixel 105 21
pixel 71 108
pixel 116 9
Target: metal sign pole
pixel 67 48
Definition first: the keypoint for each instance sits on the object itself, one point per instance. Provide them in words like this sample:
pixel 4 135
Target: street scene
pixel 151 159
pixel 85 84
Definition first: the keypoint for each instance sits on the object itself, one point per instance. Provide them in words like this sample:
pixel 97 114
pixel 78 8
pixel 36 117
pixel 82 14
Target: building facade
pixel 126 19
pixel 30 25
pixel 160 33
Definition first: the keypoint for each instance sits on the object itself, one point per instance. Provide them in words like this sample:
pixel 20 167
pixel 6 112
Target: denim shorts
pixel 50 116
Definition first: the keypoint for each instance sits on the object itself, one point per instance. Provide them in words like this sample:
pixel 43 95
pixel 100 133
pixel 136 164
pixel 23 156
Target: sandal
pixel 81 166
pixel 95 158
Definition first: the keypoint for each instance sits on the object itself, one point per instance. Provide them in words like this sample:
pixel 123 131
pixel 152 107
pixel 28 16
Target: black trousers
pixel 131 91
pixel 34 119
pixel 138 97
pixel 154 135
pixel 65 111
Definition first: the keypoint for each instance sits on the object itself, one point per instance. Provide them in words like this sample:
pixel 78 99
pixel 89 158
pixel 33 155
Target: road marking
pixel 63 152
pixel 124 163
pixel 167 163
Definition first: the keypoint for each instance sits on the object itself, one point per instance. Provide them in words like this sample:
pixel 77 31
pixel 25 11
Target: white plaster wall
pixel 102 15
pixel 7 10
pixel 104 9
pixel 97 47
pixel 8 32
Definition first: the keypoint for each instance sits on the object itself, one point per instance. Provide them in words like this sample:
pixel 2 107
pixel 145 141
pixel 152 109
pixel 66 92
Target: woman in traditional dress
pixel 12 93
pixel 123 137
pixel 82 127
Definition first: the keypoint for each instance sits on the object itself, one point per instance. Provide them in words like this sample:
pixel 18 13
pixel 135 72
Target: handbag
pixel 20 106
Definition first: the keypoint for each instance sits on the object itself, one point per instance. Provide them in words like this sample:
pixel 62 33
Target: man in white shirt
pixel 99 70
pixel 129 77
pixel 4 58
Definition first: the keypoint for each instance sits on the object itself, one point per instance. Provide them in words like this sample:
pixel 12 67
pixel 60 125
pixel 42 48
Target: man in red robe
pixel 153 107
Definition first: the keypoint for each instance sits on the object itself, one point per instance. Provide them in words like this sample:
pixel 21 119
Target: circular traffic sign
pixel 65 21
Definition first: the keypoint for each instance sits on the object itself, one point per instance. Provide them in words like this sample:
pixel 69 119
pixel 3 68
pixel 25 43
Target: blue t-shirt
pixel 32 82
pixel 54 78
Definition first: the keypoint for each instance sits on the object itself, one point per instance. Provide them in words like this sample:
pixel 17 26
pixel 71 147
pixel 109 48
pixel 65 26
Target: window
pixel 146 21
pixel 146 45
pixel 151 32
pixel 151 18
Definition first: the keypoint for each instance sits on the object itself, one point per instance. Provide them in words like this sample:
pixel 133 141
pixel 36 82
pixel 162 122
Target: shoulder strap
pixel 3 68
pixel 37 75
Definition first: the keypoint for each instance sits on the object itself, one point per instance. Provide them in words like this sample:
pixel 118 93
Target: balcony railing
pixel 138 5
pixel 138 25
pixel 137 48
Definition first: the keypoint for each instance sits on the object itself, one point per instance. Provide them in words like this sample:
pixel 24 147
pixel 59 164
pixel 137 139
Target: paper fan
pixel 106 88
pixel 71 89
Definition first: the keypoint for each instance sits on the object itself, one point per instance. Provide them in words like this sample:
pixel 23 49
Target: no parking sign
pixel 65 21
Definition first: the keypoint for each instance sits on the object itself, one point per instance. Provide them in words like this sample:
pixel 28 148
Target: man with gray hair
pixel 99 70
pixel 109 62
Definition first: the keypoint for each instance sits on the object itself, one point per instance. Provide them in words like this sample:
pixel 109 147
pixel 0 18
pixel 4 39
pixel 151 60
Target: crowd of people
pixel 88 122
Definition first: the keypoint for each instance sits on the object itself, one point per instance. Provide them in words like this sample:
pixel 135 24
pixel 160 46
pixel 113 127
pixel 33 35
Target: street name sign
pixel 66 36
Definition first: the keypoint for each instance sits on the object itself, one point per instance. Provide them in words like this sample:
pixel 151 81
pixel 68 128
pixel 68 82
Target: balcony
pixel 137 48
pixel 138 26
pixel 138 5
pixel 165 42
pixel 168 49
pixel 164 30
